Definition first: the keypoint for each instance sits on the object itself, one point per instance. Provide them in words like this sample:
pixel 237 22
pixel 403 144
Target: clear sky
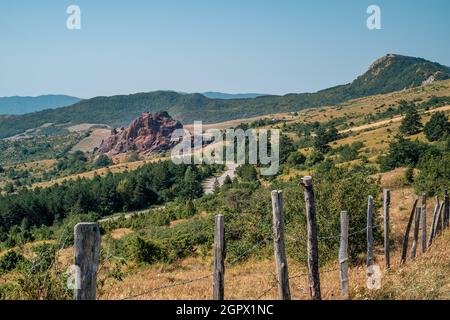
pixel 263 46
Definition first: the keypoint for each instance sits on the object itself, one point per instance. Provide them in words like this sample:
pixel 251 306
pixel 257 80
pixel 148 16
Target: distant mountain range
pixel 21 105
pixel 229 96
pixel 388 74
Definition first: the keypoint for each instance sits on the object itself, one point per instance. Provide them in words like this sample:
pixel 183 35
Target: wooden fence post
pixel 87 256
pixel 416 233
pixel 424 222
pixel 386 207
pixel 440 219
pixel 343 255
pixel 434 222
pixel 219 259
pixel 313 250
pixel 370 211
pixel 446 210
pixel 408 230
pixel 278 243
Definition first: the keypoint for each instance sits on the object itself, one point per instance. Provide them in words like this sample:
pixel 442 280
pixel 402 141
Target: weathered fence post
pixel 440 219
pixel 278 243
pixel 416 233
pixel 408 230
pixel 87 256
pixel 434 222
pixel 386 207
pixel 313 250
pixel 424 222
pixel 446 210
pixel 219 259
pixel 343 255
pixel 370 211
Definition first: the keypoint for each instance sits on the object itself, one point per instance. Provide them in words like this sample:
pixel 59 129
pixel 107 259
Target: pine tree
pixel 411 123
pixel 438 128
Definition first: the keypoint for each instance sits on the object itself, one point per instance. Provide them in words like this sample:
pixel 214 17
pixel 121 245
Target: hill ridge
pixel 391 73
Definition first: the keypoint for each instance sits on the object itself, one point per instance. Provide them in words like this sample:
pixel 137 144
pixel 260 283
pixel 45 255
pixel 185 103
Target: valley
pixel 157 218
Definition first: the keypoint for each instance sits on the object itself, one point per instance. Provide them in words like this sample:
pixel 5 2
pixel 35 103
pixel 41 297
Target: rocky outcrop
pixel 148 134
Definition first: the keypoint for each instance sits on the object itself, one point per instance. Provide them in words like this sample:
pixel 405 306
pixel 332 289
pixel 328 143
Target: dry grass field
pixel 255 278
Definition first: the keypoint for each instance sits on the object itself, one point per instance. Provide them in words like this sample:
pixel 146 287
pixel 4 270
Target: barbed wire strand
pixel 293 277
pixel 232 263
pixel 245 253
pixel 350 234
pixel 229 265
pixel 167 286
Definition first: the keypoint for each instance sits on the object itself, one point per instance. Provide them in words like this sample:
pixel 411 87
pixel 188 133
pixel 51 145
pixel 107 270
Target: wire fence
pixel 281 279
pixel 230 264
pixel 189 281
pixel 235 261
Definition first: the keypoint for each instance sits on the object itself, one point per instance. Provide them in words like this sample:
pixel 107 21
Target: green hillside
pixel 388 74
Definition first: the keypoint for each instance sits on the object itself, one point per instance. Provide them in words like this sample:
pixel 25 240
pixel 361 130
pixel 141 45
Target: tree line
pixel 151 184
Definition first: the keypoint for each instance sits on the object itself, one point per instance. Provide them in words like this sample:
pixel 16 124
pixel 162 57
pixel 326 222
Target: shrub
pixel 143 251
pixel 434 174
pixel 438 128
pixel 295 159
pixel 404 153
pixel 314 158
pixel 247 172
pixel 102 161
pixel 411 122
pixel 40 279
pixel 10 261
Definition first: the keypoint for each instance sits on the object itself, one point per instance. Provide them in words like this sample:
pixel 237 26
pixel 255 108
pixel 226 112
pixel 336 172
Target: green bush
pixel 434 175
pixel 143 251
pixel 10 261
pixel 438 128
pixel 314 158
pixel 403 153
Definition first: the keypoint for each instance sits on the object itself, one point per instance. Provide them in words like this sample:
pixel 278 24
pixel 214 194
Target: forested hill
pixel 22 105
pixel 388 74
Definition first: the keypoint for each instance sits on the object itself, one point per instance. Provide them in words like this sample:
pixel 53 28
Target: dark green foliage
pixel 166 245
pixel 348 152
pixel 249 220
pixel 227 182
pixel 286 147
pixel 102 161
pixel 403 152
pixel 438 128
pixel 74 163
pixel 409 176
pixel 10 261
pixel 314 158
pixel 37 148
pixel 143 251
pixel 411 122
pixel 434 174
pixel 323 137
pixel 435 102
pixel 295 160
pixel 39 279
pixel 151 184
pixel 247 172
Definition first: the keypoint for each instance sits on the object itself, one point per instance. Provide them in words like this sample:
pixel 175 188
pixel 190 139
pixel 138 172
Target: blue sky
pixel 276 46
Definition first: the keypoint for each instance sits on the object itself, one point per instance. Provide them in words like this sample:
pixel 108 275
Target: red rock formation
pixel 150 133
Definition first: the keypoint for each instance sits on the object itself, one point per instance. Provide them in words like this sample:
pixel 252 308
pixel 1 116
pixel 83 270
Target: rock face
pixel 150 133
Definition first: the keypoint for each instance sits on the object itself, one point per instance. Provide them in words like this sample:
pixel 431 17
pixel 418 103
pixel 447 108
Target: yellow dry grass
pixel 94 140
